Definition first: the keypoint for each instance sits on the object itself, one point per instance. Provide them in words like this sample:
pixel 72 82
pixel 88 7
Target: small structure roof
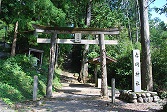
pixel 97 60
pixel 36 50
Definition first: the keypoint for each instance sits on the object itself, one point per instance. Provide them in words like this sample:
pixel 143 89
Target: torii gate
pixel 72 30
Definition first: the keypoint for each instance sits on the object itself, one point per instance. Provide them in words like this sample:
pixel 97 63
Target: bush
pixel 56 80
pixel 13 75
pixel 9 93
pixel 159 58
pixel 16 78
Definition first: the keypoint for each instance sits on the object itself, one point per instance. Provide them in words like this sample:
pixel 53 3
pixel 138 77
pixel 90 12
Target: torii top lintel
pixel 71 30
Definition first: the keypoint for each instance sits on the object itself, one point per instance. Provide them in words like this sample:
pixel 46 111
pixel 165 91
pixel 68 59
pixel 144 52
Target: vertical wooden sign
pixel 113 90
pixel 35 88
pixel 136 77
pixel 77 37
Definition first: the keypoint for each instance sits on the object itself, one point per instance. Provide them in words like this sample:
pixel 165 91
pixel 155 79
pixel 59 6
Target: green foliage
pixel 16 78
pixel 159 67
pixel 74 11
pixel 2 29
pixel 27 13
pixel 56 80
pixel 159 56
pixel 104 17
pixel 9 93
pixel 12 74
pixel 93 55
pixel 47 13
pixel 5 29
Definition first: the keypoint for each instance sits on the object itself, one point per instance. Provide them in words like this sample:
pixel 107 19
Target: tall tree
pixel 88 13
pixel 84 66
pixel 137 20
pixel 13 50
pixel 147 81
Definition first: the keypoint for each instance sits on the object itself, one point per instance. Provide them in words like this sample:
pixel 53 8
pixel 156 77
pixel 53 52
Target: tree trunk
pixel 137 21
pixel 0 5
pixel 13 50
pixel 51 67
pixel 146 65
pixel 129 25
pixel 84 66
pixel 88 13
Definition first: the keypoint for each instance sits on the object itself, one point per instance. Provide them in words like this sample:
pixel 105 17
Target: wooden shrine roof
pixel 97 60
pixel 36 50
pixel 71 30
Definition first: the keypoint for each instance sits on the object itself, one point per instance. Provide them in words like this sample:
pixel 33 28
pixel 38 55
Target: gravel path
pixel 4 107
pixel 77 97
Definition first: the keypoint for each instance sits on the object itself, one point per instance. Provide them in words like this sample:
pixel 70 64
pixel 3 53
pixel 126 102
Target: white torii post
pixel 104 87
pixel 51 66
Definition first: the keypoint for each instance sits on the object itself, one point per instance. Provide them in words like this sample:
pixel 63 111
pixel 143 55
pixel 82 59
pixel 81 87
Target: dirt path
pixel 77 97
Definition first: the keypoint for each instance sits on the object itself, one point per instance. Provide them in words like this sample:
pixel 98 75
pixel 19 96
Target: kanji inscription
pixel 78 37
pixel 136 79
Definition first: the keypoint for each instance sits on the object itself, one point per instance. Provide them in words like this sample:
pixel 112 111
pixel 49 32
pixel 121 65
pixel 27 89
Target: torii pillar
pixel 51 66
pixel 104 85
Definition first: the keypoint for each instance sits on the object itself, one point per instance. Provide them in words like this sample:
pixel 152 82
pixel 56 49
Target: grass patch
pixel 56 80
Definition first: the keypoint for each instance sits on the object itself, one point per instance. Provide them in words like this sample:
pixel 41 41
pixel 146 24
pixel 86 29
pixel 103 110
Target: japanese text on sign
pixel 78 37
pixel 136 79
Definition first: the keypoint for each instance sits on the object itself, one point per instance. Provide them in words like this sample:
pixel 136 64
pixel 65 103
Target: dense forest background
pixel 17 17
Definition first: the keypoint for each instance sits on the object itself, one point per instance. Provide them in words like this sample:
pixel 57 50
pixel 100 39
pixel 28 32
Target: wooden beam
pixel 83 32
pixel 72 30
pixel 72 41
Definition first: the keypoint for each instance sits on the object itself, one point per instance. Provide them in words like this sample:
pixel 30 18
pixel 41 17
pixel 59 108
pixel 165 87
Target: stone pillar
pixel 136 77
